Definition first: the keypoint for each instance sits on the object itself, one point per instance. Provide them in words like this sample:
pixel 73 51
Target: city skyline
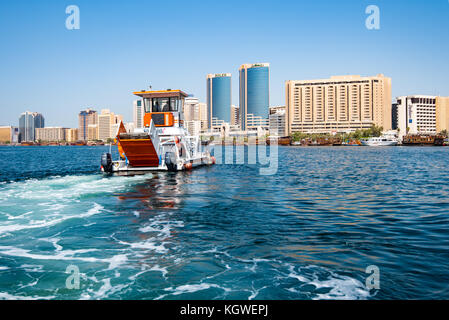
pixel 98 66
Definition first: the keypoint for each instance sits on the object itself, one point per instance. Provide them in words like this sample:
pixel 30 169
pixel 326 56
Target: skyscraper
pixel 254 95
pixel 218 98
pixel 138 113
pixel 85 118
pixel 28 122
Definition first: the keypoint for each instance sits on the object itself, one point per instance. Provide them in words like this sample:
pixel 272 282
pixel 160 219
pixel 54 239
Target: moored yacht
pixel 382 141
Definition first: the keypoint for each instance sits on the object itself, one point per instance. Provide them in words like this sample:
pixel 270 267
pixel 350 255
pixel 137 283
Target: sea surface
pixel 226 232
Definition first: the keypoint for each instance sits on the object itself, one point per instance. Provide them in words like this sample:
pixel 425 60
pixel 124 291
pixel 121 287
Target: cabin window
pixel 161 105
pixel 172 104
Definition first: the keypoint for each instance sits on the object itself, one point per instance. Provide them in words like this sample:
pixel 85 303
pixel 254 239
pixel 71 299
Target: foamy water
pixel 225 233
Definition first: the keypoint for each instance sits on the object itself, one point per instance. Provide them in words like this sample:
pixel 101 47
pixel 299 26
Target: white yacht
pixel 382 141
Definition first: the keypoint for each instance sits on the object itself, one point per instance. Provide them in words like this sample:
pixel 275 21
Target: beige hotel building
pixel 338 104
pixel 421 114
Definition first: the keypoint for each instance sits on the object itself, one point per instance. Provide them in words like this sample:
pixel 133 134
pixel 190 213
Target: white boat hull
pixel 122 167
pixel 379 143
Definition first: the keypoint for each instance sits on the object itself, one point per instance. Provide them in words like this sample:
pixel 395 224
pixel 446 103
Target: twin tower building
pixel 254 97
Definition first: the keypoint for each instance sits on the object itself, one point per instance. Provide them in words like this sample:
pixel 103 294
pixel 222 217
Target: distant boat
pixel 282 141
pixel 382 141
pixel 352 143
pixel 423 140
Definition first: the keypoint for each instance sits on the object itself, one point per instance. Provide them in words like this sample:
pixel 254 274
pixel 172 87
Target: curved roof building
pixel 254 95
pixel 218 98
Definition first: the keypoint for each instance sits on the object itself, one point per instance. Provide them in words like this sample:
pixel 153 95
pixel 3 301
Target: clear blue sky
pixel 124 46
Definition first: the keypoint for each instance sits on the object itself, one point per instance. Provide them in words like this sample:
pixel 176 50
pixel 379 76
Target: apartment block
pixel 71 135
pixel 442 113
pixel 338 104
pixel 9 134
pixel 92 132
pixel 235 116
pixel 50 134
pixel 194 110
pixel 422 114
pixel 277 121
pixel 108 124
pixel 85 118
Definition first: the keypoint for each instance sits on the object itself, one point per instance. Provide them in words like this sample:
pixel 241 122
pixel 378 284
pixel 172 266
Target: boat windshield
pixel 171 104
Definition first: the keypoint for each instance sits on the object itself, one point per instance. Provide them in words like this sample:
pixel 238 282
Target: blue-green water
pixel 226 232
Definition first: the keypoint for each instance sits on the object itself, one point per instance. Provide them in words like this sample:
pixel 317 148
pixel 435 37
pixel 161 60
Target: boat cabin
pixel 164 107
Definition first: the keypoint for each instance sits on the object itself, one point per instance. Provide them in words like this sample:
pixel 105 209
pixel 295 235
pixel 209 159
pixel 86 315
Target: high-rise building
pixel 254 95
pixel 9 134
pixel 92 132
pixel 218 98
pixel 277 120
pixel 191 109
pixel 442 113
pixel 421 114
pixel 138 113
pixel 105 121
pixel 394 116
pixel 15 135
pixel 338 104
pixel 193 127
pixel 276 109
pixel 5 134
pixel 235 118
pixel 203 116
pixel 71 135
pixel 50 134
pixel 108 123
pixel 86 118
pixel 28 122
pixel 194 110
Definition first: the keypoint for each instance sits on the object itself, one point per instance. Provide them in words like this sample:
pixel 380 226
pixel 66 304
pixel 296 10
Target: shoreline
pixel 244 145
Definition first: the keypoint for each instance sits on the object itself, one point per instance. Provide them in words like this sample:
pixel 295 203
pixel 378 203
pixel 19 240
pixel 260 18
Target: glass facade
pixel 219 98
pixel 86 118
pixel 28 122
pixel 254 92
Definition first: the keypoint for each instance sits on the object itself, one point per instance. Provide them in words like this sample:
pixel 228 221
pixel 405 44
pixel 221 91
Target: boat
pixel 423 140
pixel 382 141
pixel 351 143
pixel 321 142
pixel 163 144
pixel 282 141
